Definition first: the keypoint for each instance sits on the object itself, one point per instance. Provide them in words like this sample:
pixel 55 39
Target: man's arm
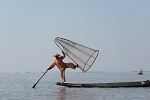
pixel 51 66
pixel 63 54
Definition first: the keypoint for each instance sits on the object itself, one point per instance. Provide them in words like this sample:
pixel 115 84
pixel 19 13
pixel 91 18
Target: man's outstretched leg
pixel 71 65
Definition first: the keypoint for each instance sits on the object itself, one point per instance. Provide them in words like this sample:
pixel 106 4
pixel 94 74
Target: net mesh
pixel 79 54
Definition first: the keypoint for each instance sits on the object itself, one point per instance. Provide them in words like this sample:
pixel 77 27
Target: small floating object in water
pixel 140 72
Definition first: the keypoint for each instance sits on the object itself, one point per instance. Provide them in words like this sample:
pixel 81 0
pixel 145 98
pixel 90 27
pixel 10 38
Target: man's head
pixel 56 55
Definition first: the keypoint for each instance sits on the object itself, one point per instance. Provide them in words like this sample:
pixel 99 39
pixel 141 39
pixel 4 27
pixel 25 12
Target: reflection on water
pixel 61 94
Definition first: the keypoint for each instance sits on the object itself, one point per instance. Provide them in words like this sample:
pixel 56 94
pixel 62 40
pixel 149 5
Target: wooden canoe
pixel 108 85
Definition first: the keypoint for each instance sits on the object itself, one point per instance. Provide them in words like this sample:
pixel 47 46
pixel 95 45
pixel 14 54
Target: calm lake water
pixel 18 86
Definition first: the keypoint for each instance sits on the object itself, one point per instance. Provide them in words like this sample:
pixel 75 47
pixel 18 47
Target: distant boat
pixel 140 72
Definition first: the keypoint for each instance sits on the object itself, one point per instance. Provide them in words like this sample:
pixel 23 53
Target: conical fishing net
pixel 79 54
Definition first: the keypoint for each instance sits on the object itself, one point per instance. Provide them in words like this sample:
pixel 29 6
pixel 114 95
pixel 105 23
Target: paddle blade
pixel 39 79
pixel 33 86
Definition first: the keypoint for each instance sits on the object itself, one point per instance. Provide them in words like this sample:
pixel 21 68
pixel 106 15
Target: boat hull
pixel 108 85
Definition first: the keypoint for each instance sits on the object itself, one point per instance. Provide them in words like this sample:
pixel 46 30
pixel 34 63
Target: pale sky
pixel 119 29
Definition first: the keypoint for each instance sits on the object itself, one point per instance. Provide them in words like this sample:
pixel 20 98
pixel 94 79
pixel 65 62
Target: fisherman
pixel 62 65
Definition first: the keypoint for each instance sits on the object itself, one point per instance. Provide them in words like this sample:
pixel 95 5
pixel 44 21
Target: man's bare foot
pixel 77 66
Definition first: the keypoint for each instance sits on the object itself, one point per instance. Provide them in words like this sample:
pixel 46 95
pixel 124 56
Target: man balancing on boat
pixel 62 65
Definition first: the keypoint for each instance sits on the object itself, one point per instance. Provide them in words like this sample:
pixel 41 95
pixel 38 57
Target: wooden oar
pixel 39 79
